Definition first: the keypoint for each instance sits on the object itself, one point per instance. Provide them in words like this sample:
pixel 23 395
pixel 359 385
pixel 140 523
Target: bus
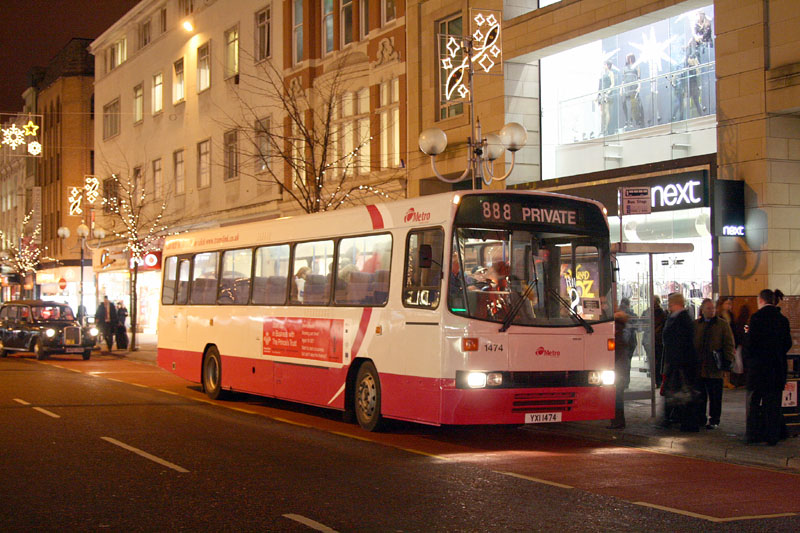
pixel 479 307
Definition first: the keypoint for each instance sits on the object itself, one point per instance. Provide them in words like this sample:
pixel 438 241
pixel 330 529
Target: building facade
pixel 221 111
pixel 677 96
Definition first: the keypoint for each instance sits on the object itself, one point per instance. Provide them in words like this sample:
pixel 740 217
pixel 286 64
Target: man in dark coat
pixel 681 366
pixel 768 339
pixel 712 334
pixel 106 318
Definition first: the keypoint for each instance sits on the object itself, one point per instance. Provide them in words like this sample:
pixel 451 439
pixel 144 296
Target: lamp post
pixel 82 231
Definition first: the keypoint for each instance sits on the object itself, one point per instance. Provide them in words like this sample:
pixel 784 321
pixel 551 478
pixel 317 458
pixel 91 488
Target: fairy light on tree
pixel 23 255
pixel 138 223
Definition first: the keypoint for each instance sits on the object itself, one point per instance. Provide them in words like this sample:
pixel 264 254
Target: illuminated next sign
pixel 676 194
pixel 733 231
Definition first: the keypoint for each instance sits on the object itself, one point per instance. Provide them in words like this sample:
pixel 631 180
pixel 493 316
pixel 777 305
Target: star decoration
pixel 30 128
pixel 653 52
pixel 447 64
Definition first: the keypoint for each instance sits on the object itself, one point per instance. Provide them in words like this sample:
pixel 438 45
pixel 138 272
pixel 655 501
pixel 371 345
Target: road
pixel 119 445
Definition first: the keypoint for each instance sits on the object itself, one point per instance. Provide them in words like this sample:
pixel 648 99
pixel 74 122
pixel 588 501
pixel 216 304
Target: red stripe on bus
pixel 362 330
pixel 375 215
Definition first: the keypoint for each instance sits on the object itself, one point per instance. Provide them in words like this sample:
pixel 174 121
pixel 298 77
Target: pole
pixel 81 308
pixel 474 143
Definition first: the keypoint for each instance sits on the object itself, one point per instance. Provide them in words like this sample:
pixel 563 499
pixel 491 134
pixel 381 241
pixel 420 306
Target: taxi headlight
pixel 93 331
pixel 50 332
pixel 476 380
pixel 607 377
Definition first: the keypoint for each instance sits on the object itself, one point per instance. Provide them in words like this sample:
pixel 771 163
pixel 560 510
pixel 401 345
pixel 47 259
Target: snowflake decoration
pixel 34 148
pixel 13 137
pixel 653 52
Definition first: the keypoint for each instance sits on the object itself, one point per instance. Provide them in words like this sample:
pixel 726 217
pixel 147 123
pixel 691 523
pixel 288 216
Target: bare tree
pixel 304 153
pixel 135 216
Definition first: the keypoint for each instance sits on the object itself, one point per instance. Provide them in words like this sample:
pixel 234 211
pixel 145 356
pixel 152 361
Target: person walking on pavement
pixel 681 366
pixel 121 329
pixel 767 341
pixel 106 318
pixel 659 317
pixel 622 368
pixel 713 339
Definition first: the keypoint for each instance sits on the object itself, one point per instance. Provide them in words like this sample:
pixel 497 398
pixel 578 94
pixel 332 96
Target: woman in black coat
pixel 768 340
pixel 681 367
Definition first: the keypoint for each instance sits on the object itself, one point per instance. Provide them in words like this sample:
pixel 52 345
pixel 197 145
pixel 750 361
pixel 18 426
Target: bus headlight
pixel 476 380
pixel 93 331
pixel 607 377
pixel 50 332
pixel 494 379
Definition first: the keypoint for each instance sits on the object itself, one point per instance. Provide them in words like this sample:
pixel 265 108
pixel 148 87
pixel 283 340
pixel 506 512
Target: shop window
pixel 642 96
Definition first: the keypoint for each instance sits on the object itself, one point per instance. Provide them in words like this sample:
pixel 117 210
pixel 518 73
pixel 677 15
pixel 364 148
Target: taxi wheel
pixel 3 353
pixel 87 354
pixel 39 351
pixel 367 398
pixel 212 374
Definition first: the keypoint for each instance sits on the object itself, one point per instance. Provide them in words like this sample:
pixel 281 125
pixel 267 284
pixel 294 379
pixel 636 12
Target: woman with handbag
pixel 713 341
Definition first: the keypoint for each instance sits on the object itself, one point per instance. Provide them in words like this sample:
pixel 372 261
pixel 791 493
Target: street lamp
pixel 81 231
pixel 482 151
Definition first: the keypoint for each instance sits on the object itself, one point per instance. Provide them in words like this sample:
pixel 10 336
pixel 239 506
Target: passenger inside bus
pixel 299 283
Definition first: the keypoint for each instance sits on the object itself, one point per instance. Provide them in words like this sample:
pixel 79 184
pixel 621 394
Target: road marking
pixel 535 479
pixel 163 390
pixel 711 518
pixel 146 455
pixel 313 524
pixel 140 385
pixel 23 402
pixel 46 412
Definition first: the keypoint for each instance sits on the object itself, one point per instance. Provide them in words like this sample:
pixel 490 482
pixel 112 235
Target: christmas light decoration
pixel 25 137
pixel 26 256
pixel 75 199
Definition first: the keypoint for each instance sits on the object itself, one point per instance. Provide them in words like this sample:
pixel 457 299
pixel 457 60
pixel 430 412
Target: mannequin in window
pixel 632 104
pixel 608 98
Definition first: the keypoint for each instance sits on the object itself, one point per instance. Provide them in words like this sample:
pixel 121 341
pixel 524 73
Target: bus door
pixel 418 348
pixel 173 318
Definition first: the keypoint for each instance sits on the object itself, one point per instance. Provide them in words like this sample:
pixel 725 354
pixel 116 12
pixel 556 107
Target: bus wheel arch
pixel 211 373
pixel 363 396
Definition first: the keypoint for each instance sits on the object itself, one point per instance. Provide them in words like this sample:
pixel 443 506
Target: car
pixel 43 328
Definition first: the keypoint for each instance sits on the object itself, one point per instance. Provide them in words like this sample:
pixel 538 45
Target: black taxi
pixel 43 328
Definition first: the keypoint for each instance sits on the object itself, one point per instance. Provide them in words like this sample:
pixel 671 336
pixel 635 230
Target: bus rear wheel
pixel 212 374
pixel 367 398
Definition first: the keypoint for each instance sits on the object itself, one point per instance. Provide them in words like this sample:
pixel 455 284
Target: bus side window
pixel 362 270
pixel 234 283
pixel 204 278
pixel 422 286
pixel 183 282
pixel 311 283
pixel 170 281
pixel 271 275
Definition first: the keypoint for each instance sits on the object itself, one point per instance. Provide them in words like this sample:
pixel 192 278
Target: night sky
pixel 33 31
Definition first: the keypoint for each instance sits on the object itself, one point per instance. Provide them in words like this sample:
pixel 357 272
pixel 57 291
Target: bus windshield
pixel 529 278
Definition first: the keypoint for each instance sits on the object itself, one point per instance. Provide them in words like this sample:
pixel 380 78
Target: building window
pixel 346 19
pixel 327 26
pixel 363 151
pixel 354 132
pixel 178 168
pixel 389 10
pixel 138 103
pixel 186 7
pixel 262 147
pixel 451 26
pixel 232 52
pixel 231 154
pixel 297 31
pixel 110 194
pixel 178 86
pixel 111 119
pixel 144 34
pixel 117 53
pixel 203 68
pixel 298 161
pixel 158 93
pixel 162 17
pixel 263 29
pixel 157 178
pixel 364 18
pixel 204 163
pixel 137 192
pixel 390 123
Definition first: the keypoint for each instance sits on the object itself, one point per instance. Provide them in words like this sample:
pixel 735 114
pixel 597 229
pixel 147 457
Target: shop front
pixel 63 284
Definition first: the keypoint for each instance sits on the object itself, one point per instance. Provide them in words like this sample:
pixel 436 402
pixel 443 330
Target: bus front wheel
pixel 367 398
pixel 212 374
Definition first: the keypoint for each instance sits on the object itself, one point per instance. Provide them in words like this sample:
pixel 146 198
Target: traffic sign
pixel 636 201
pixel 62 284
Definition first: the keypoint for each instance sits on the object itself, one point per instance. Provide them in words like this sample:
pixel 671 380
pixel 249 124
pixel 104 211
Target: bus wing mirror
pixel 425 256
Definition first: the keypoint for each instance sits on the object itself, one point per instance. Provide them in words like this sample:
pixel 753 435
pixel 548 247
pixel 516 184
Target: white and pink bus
pixel 479 307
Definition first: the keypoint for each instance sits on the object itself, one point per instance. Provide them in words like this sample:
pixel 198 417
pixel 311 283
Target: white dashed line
pixel 146 455
pixel 313 524
pixel 46 412
pixel 23 402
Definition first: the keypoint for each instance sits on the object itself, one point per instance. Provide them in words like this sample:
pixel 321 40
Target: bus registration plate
pixel 540 418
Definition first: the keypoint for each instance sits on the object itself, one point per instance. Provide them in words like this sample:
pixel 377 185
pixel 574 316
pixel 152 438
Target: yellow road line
pixel 712 518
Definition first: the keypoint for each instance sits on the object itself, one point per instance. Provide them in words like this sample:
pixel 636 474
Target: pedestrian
pixel 713 341
pixel 659 317
pixel 122 330
pixel 106 318
pixel 724 311
pixel 739 372
pixel 622 368
pixel 767 341
pixel 681 366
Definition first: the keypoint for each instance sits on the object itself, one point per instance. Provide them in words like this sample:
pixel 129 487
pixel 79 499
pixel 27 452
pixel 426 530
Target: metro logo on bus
pixel 541 351
pixel 413 216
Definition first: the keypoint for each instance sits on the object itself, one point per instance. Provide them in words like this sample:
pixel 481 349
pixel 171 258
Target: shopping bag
pixel 738 363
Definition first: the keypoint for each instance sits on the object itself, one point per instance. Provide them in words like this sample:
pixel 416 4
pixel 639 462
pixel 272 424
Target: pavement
pixel 725 444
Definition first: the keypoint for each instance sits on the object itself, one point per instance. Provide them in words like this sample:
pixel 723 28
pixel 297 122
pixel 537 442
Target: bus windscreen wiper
pixel 518 305
pixel 572 312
